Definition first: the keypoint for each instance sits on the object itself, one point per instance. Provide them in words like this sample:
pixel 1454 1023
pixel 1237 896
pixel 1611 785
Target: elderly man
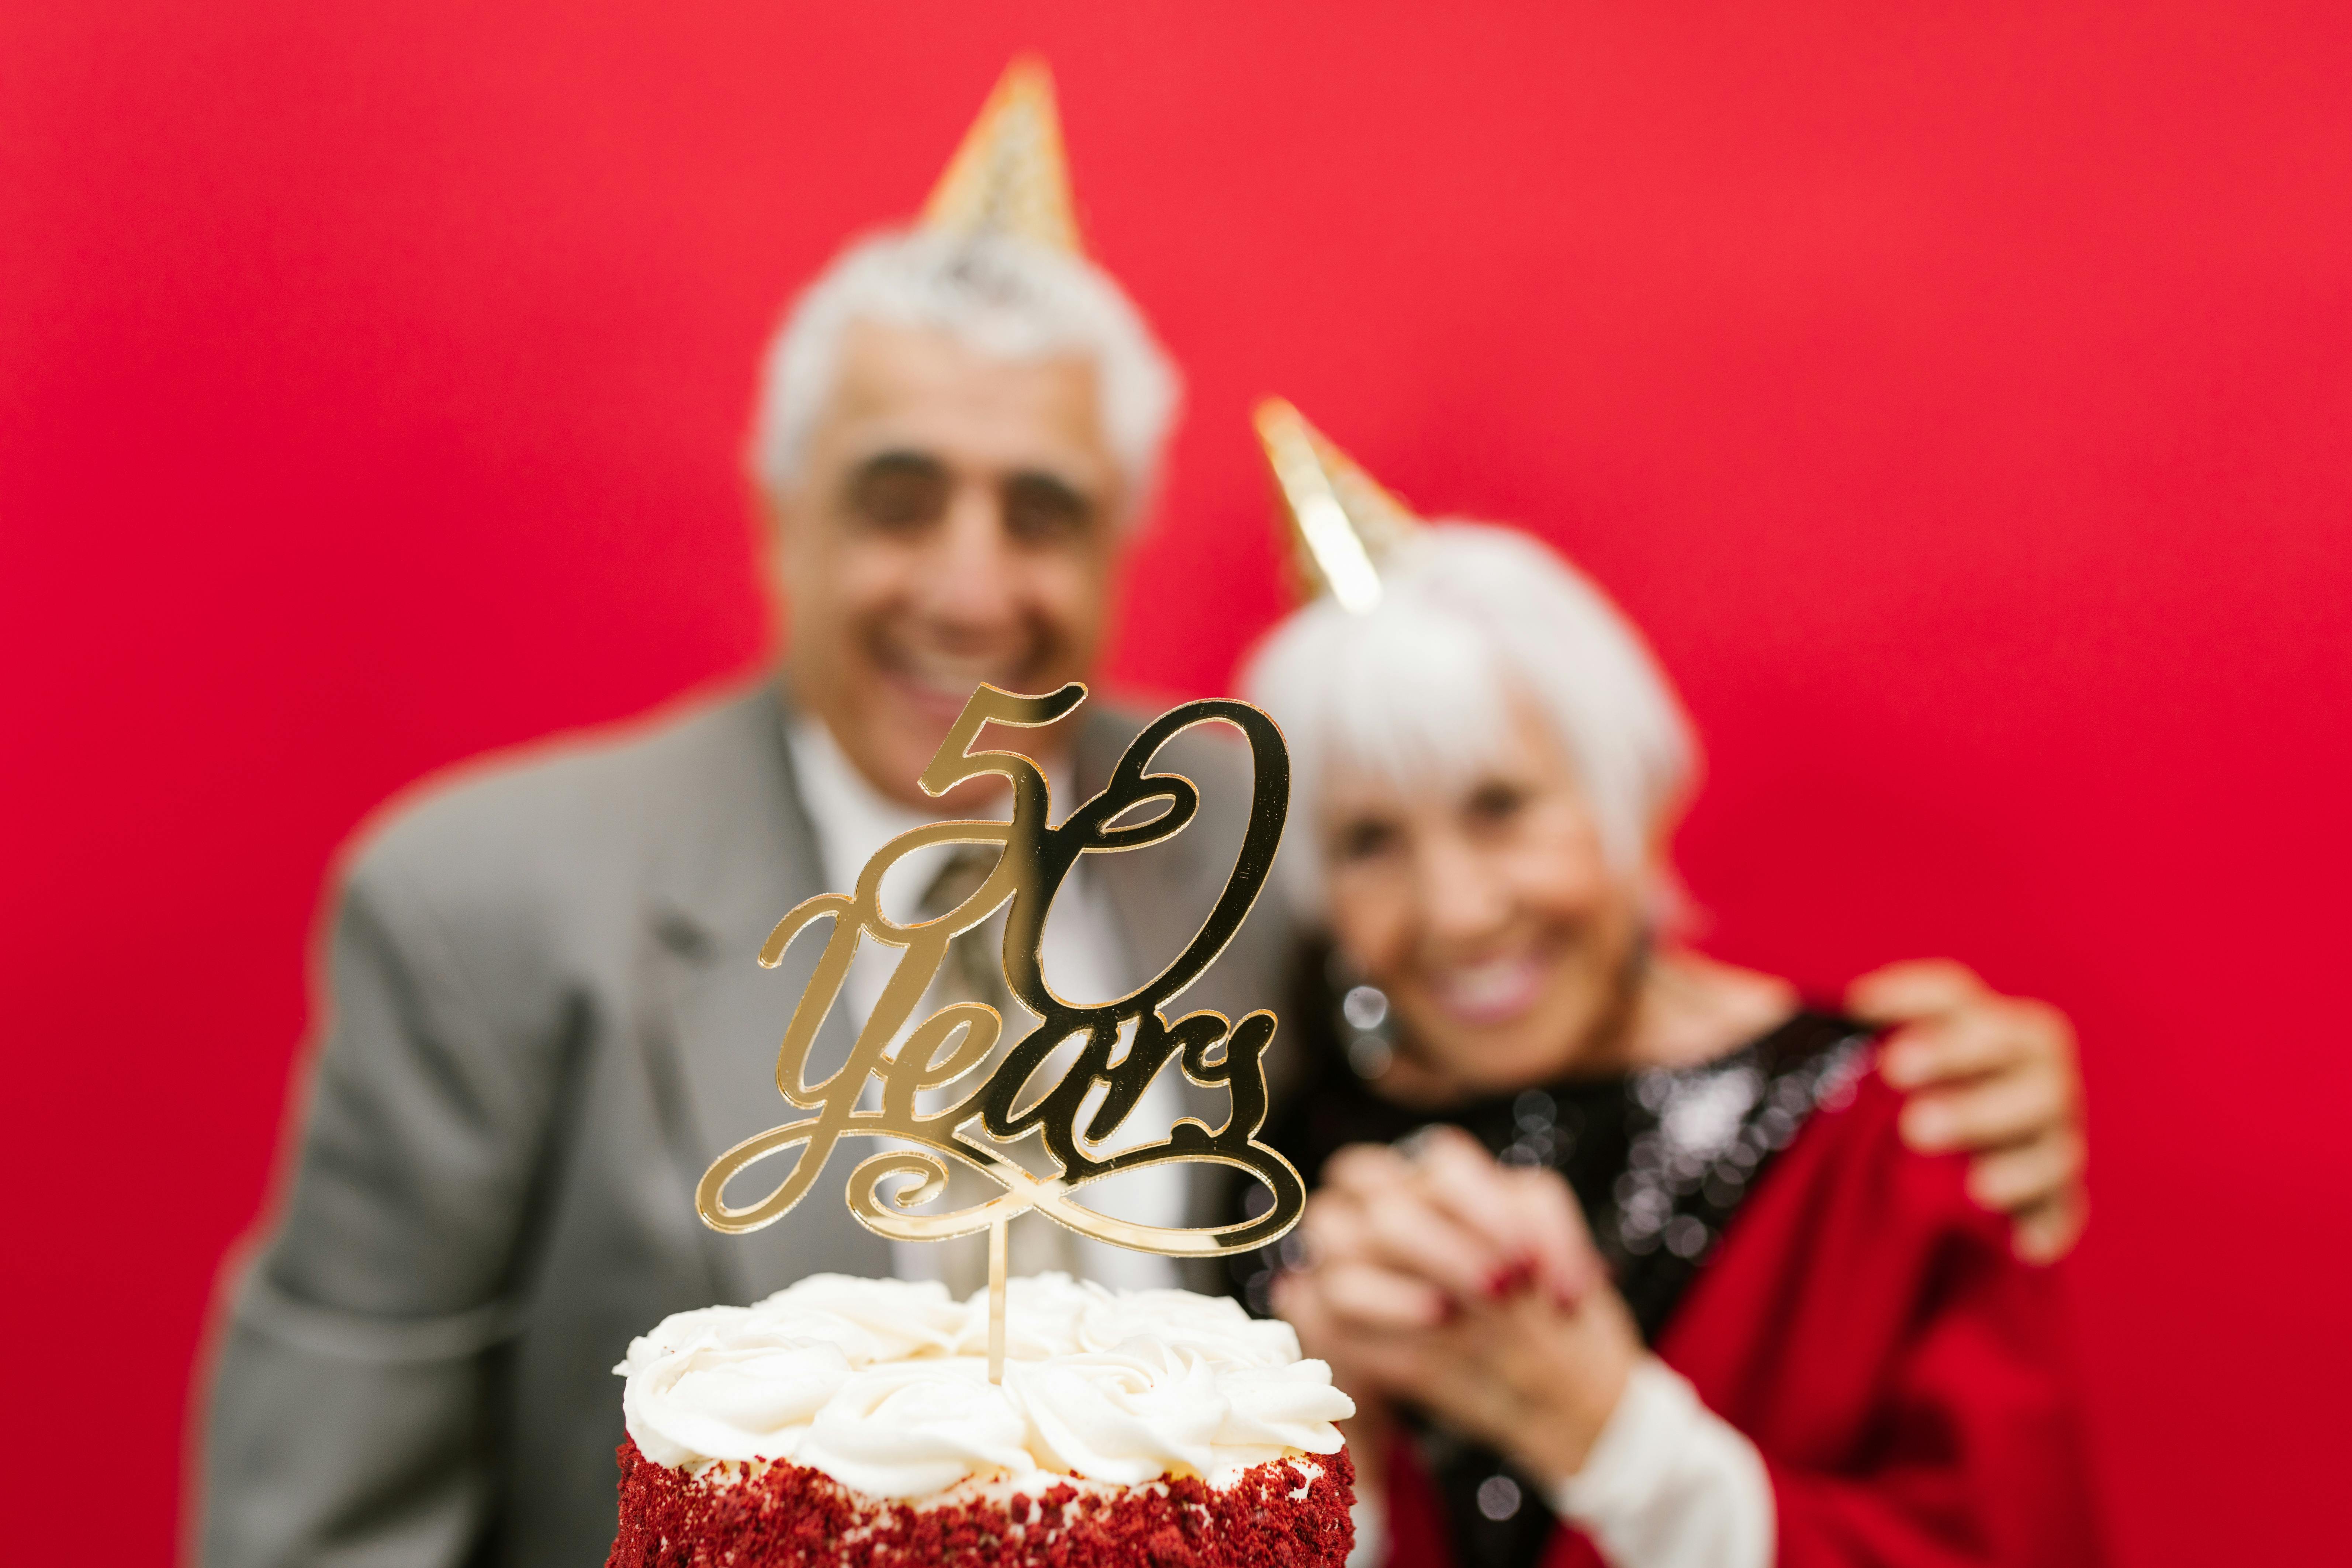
pixel 544 1019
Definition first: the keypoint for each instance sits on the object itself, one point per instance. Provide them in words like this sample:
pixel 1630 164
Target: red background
pixel 1962 401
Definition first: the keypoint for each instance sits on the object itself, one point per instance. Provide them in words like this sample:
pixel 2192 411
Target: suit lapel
pixel 743 854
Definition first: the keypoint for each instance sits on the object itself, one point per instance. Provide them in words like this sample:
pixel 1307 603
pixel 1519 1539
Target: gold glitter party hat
pixel 1342 523
pixel 1010 175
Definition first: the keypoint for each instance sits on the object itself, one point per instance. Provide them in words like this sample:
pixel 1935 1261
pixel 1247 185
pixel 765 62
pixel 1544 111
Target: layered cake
pixel 852 1421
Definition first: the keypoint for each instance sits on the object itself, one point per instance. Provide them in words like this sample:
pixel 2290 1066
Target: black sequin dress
pixel 1659 1161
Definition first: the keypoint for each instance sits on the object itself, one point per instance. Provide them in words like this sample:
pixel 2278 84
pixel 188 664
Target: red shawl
pixel 1906 1378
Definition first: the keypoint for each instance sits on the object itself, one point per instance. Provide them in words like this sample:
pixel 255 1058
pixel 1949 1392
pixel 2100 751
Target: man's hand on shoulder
pixel 1991 1076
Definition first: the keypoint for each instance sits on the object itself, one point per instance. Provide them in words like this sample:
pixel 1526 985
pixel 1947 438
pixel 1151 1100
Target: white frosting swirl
pixel 883 1385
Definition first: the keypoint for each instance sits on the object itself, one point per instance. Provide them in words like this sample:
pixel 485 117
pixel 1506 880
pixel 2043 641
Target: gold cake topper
pixel 1033 860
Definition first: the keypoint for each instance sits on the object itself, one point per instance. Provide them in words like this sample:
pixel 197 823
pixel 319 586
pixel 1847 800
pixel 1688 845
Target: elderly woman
pixel 1618 1248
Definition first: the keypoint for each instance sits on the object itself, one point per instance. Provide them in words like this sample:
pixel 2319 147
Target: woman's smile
pixel 1489 991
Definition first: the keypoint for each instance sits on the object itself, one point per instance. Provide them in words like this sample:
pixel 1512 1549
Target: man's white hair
pixel 996 293
pixel 1418 688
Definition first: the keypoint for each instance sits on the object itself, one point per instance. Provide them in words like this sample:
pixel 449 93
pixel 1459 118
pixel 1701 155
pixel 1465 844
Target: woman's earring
pixel 1366 1024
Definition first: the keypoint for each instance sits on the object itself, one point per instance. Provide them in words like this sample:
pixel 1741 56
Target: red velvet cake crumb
pixel 787 1516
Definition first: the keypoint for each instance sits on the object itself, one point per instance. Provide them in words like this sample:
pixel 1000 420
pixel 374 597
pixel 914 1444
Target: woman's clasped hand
pixel 1437 1277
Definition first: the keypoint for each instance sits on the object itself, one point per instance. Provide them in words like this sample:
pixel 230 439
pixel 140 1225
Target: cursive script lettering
pixel 953 1041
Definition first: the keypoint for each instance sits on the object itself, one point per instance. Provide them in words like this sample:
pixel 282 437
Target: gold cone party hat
pixel 1342 523
pixel 1010 176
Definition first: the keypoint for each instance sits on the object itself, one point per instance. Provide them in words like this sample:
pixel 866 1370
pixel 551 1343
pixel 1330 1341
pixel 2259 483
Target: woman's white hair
pixel 998 294
pixel 1418 687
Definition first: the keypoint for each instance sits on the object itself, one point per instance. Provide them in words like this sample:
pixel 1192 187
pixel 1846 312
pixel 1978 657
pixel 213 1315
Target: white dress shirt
pixel 1671 1484
pixel 1083 961
pixel 1668 1484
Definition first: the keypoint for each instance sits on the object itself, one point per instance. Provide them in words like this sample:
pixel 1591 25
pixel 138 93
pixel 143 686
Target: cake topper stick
pixel 996 1299
pixel 887 1188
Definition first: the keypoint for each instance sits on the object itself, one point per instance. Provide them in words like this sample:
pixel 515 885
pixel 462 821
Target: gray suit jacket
pixel 544 1019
